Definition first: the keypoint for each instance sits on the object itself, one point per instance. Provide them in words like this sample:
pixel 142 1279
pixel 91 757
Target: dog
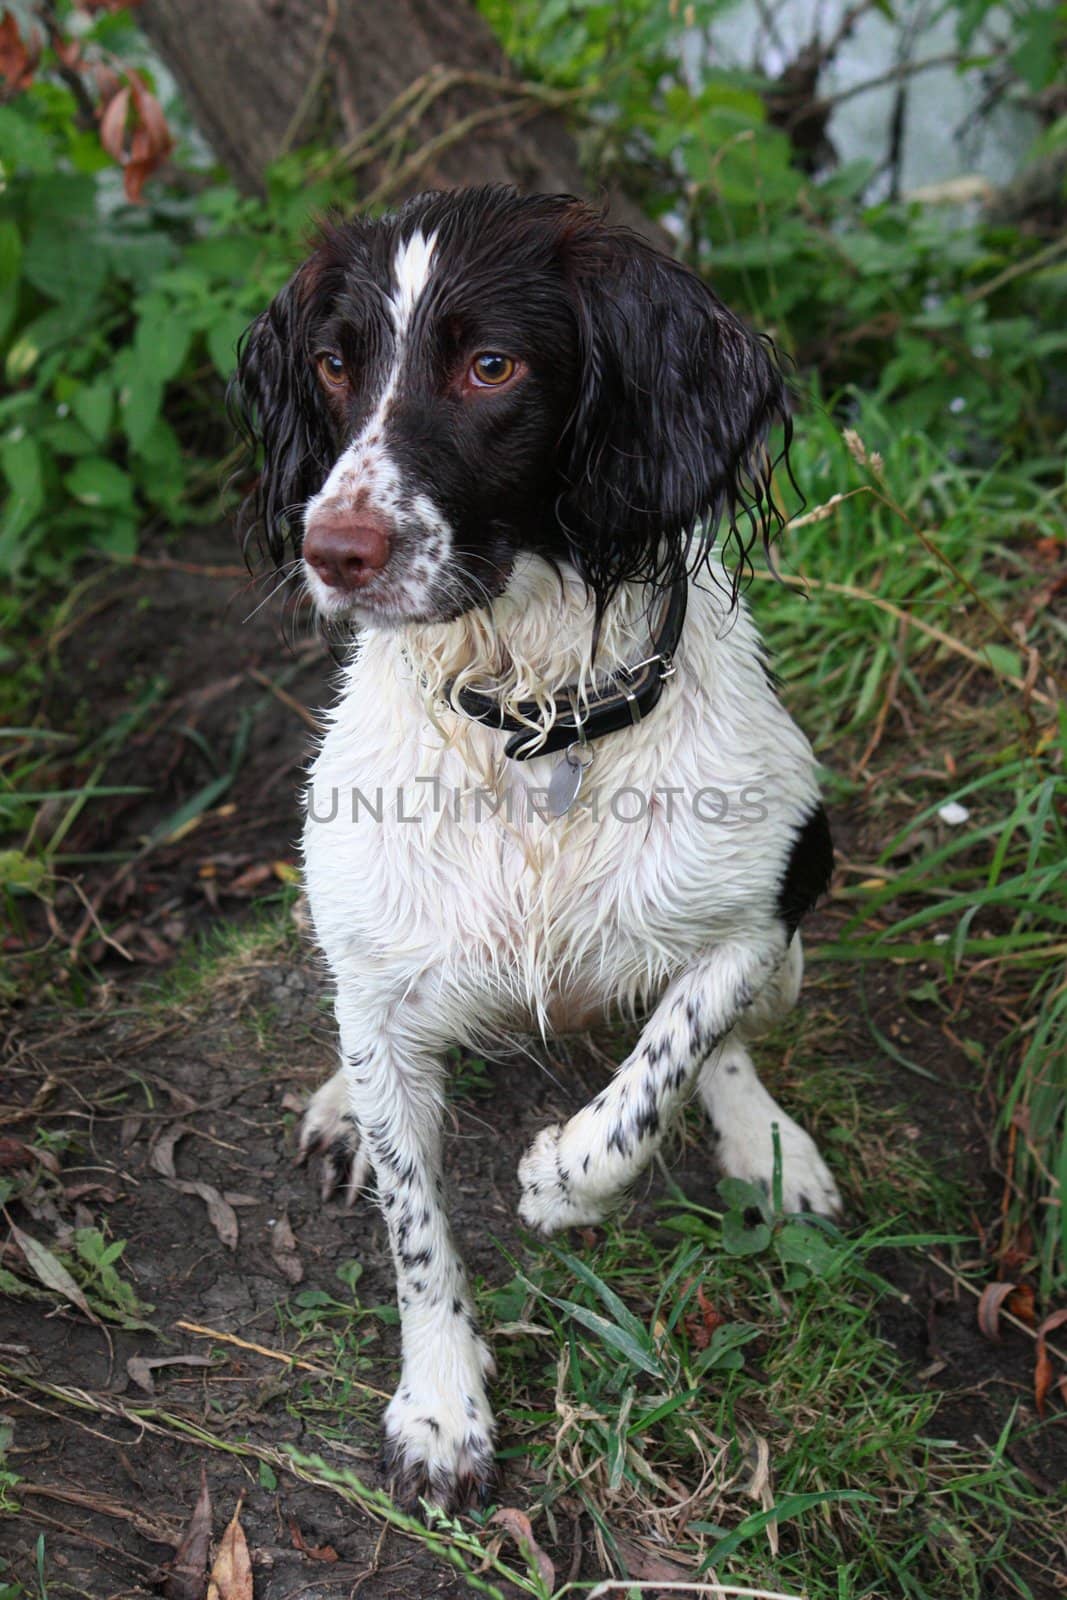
pixel 498 436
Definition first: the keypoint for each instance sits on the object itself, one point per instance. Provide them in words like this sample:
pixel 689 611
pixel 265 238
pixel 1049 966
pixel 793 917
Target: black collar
pixel 630 694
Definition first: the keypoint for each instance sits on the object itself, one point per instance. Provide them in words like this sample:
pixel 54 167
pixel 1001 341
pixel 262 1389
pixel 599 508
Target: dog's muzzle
pixel 346 552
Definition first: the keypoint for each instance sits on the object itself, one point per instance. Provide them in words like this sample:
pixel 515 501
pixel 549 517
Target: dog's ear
pixel 676 398
pixel 279 409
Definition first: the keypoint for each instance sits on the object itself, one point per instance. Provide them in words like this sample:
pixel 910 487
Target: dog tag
pixel 566 781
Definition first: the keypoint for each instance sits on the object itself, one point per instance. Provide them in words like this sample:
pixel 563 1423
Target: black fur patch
pixel 807 873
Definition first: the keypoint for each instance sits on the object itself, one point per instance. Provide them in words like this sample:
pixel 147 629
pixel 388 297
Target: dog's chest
pixel 425 858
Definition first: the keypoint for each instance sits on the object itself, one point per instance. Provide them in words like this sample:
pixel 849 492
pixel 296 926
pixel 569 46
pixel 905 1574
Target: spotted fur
pixel 518 542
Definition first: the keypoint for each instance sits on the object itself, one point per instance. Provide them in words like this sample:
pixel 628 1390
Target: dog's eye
pixel 332 368
pixel 490 370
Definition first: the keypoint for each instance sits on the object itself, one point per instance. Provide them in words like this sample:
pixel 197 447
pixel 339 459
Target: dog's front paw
pixel 439 1447
pixel 553 1196
pixel 807 1182
pixel 329 1129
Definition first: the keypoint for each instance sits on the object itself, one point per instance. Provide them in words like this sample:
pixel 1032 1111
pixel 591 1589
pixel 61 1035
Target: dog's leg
pixel 743 1114
pixel 438 1425
pixel 575 1174
pixel 329 1128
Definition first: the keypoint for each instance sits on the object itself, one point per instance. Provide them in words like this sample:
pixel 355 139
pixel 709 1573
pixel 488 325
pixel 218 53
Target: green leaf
pixel 64 261
pixel 51 1272
pixel 24 145
pixel 615 1307
pixel 740 1238
pixel 723 1353
pixel 161 342
pixel 10 263
pixel 222 337
pixel 611 1334
pixel 20 871
pixel 118 537
pixel 141 400
pixel 93 405
pixel 20 459
pixel 741 1195
pixel 790 1506
pixel 1003 659
pixel 96 481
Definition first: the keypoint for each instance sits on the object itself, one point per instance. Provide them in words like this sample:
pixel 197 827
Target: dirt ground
pixel 205 1092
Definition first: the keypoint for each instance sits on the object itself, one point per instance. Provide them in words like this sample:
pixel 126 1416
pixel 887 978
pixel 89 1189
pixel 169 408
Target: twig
pixel 286 699
pixel 423 91
pixel 273 1355
pixel 678 1586
pixel 907 69
pixel 1031 1333
pixel 849 591
pixel 314 83
pixel 1018 269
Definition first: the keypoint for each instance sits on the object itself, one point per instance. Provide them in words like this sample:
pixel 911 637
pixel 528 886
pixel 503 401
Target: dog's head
pixel 481 375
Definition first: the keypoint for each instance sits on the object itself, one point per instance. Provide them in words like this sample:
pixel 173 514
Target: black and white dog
pixel 498 436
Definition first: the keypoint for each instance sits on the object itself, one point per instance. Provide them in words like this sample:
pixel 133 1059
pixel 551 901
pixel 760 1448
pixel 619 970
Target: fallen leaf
pixel 992 1298
pixel 1021 1304
pixel 517 1524
pixel 250 878
pixel 51 1272
pixel 231 1576
pixel 161 1155
pixel 141 1368
pixel 283 1249
pixel 14 1153
pixel 701 1324
pixel 317 1552
pixel 222 1215
pixel 188 1570
pixel 1043 1366
pixel 646 1566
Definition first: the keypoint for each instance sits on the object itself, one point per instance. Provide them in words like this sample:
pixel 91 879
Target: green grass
pixel 796 1407
pixel 927 664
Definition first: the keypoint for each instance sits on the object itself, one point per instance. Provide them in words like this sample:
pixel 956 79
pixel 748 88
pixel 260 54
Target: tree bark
pixel 261 76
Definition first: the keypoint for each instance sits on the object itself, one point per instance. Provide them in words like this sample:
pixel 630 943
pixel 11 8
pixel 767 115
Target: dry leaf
pixel 134 132
pixel 231 1576
pixel 14 1153
pixel 317 1552
pixel 18 60
pixel 283 1249
pixel 222 1215
pixel 992 1298
pixel 52 1273
pixel 141 1368
pixel 1021 1304
pixel 161 1156
pixel 701 1324
pixel 251 878
pixel 1043 1367
pixel 646 1566
pixel 188 1570
pixel 517 1524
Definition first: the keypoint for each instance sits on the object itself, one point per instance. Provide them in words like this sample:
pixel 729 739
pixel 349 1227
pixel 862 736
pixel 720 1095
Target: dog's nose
pixel 346 552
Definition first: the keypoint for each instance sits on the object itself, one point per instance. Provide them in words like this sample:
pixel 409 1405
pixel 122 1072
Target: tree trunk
pixel 261 76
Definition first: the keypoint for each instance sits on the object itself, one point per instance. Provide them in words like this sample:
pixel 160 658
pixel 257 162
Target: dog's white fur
pixel 440 927
pixel 452 909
